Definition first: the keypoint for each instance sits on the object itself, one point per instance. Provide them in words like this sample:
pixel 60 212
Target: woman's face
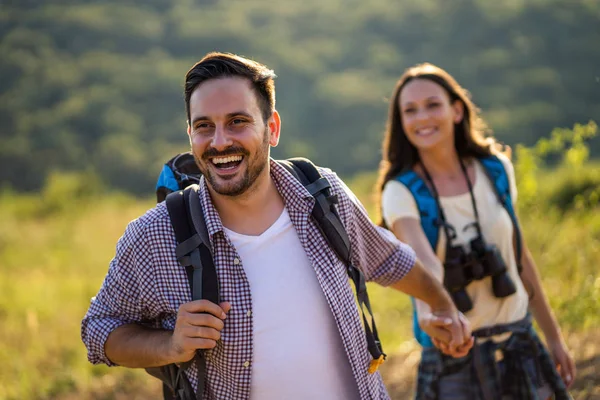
pixel 428 115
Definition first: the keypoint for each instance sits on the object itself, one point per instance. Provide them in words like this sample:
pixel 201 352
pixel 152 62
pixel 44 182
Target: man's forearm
pixel 136 346
pixel 423 285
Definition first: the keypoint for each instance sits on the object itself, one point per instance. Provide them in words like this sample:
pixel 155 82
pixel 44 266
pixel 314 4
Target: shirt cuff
pixel 97 333
pixel 397 266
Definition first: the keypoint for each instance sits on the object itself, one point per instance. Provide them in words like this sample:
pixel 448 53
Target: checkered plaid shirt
pixel 145 283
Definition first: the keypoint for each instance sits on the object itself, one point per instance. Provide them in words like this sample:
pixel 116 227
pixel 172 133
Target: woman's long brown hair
pixel 471 135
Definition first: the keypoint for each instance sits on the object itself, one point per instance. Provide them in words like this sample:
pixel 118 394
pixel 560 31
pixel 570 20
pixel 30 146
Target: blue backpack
pixel 431 222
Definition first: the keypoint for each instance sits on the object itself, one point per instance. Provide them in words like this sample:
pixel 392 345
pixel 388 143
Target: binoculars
pixel 462 268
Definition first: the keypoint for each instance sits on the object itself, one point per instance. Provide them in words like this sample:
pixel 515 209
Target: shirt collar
pixel 294 194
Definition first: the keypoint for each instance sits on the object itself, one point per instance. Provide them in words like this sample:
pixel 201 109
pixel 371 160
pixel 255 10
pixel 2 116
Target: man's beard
pixel 254 168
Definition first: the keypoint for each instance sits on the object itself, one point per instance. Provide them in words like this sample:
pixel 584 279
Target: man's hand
pixel 198 326
pixel 437 327
pixel 449 331
pixel 460 350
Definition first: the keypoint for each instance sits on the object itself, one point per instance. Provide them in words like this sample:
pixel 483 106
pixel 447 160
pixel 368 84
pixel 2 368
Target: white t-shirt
pixel 297 349
pixel 497 229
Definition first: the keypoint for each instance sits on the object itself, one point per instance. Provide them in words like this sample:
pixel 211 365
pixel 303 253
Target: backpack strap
pixel 426 204
pixel 328 221
pixel 430 222
pixel 193 252
pixel 324 210
pixel 496 173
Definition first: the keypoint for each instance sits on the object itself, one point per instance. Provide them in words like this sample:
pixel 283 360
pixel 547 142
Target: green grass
pixel 51 263
pixel 55 248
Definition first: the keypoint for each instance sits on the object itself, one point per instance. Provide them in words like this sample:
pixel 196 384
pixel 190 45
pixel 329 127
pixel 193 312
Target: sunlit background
pixel 91 106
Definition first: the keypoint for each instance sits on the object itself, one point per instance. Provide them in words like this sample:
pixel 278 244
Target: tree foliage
pixel 96 85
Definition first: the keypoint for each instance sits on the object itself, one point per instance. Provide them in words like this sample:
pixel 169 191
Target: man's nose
pixel 221 139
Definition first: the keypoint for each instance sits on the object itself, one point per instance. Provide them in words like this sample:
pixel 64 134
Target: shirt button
pixel 246 364
pixel 249 313
pixel 236 261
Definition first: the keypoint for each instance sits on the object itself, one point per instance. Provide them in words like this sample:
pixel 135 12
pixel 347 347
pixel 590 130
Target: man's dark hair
pixel 222 65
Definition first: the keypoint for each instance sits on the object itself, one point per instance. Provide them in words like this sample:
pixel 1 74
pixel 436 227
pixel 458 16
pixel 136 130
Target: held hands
pixel 459 350
pixel 198 326
pixel 449 331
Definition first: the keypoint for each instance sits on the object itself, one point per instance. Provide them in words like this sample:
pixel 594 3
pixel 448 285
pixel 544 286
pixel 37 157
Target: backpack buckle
pixel 375 363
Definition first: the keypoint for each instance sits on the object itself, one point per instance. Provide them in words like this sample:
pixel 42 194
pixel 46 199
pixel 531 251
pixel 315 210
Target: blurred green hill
pixel 96 86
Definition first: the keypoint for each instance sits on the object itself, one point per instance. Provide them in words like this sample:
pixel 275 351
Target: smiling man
pixel 288 326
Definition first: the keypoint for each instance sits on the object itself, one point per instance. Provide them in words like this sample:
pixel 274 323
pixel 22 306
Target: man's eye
pixel 434 105
pixel 237 121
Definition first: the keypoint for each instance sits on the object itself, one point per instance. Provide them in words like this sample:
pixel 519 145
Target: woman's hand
pixel 563 360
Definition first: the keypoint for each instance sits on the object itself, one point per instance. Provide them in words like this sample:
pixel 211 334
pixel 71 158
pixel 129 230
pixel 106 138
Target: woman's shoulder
pixel 397 186
pixel 507 164
pixel 505 159
pixel 397 201
pixel 393 183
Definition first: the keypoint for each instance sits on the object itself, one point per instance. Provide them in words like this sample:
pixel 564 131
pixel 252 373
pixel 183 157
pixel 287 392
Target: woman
pixel 449 192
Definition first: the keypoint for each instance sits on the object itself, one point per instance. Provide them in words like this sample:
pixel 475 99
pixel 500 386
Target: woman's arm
pixel 538 303
pixel 545 318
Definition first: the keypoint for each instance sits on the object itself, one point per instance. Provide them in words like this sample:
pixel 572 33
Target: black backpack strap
pixel 188 241
pixel 193 252
pixel 324 211
pixel 210 280
pixel 193 249
pixel 328 221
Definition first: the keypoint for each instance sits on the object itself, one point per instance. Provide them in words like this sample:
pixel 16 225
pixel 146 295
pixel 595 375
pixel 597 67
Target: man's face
pixel 230 141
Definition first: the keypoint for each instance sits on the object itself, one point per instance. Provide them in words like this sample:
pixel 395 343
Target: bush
pixel 574 182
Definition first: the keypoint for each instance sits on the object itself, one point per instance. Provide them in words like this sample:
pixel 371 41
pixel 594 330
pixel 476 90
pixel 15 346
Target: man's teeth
pixel 223 160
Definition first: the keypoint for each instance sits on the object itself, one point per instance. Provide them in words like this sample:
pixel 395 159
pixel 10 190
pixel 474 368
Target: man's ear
pixel 189 132
pixel 459 111
pixel 274 127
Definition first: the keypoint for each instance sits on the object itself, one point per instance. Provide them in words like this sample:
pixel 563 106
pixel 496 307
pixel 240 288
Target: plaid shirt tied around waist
pixel 145 284
pixel 521 349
